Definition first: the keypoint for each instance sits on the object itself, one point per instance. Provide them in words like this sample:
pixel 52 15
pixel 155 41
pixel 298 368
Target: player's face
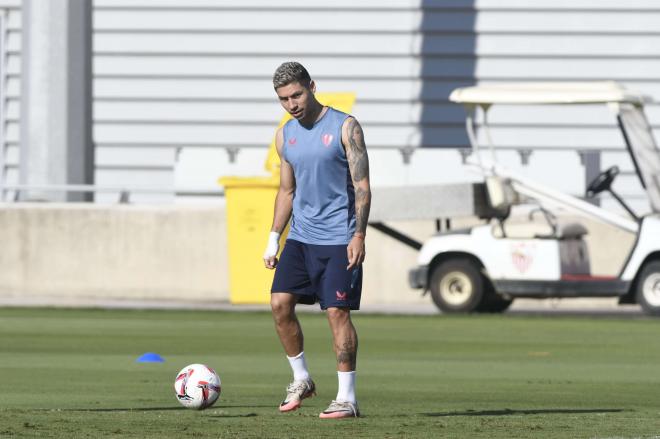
pixel 296 98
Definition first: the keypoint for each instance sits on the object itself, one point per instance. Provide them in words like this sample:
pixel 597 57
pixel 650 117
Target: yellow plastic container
pixel 250 206
pixel 250 203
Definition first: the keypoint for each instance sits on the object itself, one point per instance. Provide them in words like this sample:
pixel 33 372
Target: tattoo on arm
pixel 358 159
pixel 358 162
pixel 362 205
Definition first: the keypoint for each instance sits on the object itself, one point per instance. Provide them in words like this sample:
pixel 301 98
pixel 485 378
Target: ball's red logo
pixel 327 139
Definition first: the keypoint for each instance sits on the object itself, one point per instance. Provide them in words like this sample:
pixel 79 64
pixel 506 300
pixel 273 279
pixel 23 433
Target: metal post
pixel 406 154
pixel 591 162
pixel 56 107
pixel 525 154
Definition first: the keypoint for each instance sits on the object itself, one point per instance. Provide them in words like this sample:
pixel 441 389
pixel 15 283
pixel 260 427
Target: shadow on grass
pixel 156 409
pixel 624 313
pixel 508 412
pixel 115 409
pixel 247 415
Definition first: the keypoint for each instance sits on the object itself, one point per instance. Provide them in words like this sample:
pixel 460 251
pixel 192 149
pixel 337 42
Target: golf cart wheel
pixel 494 303
pixel 648 288
pixel 457 286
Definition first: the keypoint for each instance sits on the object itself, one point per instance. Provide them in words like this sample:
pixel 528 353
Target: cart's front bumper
pixel 418 277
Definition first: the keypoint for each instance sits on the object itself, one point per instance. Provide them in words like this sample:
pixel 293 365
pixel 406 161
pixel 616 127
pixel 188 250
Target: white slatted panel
pixel 10 94
pixel 177 81
pixel 174 73
pixel 198 74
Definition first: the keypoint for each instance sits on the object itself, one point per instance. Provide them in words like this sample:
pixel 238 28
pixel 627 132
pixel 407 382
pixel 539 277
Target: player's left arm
pixel 352 137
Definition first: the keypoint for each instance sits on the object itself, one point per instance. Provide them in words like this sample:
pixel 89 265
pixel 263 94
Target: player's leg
pixel 344 338
pixel 290 333
pixel 340 293
pixel 283 306
pixel 291 283
pixel 345 343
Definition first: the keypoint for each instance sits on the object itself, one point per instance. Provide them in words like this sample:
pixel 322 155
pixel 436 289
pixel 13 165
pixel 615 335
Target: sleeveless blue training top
pixel 324 199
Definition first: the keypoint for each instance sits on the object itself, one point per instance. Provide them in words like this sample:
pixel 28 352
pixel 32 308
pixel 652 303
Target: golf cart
pixel 484 268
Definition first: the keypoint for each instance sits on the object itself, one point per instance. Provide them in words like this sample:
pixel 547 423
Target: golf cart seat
pixel 564 231
pixel 517 228
pixel 573 250
pixel 500 197
pixel 571 231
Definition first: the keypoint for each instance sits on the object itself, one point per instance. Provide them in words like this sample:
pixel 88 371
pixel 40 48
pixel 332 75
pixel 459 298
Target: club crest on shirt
pixel 327 139
pixel 292 141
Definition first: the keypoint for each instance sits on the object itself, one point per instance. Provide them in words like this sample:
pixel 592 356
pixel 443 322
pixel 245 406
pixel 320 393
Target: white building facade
pixel 182 88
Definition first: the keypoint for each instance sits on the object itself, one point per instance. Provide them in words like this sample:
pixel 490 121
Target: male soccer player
pixel 324 190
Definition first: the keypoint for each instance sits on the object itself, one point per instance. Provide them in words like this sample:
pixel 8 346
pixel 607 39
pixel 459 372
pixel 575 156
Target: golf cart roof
pixel 600 92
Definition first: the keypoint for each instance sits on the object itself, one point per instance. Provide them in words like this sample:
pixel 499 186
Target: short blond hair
pixel 290 72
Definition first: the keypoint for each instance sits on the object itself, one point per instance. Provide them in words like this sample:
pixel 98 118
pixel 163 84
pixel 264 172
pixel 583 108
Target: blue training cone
pixel 150 357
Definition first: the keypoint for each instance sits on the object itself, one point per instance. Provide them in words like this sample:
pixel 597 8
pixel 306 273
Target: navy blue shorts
pixel 317 273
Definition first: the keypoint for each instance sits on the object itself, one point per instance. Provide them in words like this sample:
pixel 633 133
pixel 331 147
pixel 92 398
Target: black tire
pixel 457 286
pixel 494 303
pixel 648 288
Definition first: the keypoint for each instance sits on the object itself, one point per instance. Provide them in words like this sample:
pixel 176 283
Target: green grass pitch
pixel 72 374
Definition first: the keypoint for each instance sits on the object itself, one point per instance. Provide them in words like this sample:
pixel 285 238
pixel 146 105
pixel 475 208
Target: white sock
pixel 346 390
pixel 299 367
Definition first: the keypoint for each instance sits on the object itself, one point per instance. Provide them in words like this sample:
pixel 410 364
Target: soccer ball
pixel 197 386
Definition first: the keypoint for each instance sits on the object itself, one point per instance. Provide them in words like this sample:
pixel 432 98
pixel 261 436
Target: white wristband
pixel 273 245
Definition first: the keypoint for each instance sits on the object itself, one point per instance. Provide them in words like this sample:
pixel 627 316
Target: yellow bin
pixel 250 205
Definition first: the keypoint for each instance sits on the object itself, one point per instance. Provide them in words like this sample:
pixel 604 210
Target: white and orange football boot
pixel 296 392
pixel 341 409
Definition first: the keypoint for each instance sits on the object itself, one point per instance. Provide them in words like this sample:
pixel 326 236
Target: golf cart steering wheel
pixel 603 181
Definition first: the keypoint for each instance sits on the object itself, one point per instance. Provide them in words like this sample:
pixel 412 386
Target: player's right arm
pixel 283 204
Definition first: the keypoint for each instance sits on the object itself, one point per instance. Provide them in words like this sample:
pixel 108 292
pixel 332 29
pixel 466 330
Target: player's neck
pixel 314 115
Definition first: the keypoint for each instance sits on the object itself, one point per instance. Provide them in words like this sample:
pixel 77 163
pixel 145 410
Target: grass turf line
pixel 72 373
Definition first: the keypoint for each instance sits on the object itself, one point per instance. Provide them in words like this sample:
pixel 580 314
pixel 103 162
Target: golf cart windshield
pixel 643 150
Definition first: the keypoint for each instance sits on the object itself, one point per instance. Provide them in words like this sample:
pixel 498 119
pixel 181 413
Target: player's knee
pixel 281 305
pixel 339 315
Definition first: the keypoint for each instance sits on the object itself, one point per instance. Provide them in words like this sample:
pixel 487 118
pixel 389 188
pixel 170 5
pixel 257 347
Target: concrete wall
pixel 114 252
pixel 180 253
pixel 153 252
